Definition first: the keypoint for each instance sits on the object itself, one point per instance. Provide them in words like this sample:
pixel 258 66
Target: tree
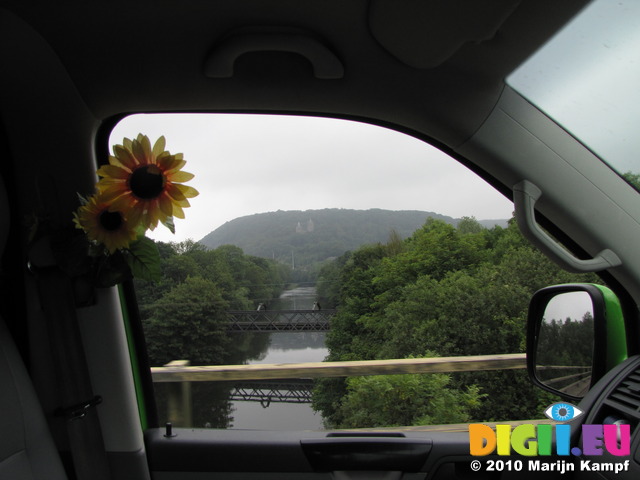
pixel 188 323
pixel 187 246
pixel 633 179
pixel 453 292
pixel 329 282
pixel 469 225
pixel 184 314
pixel 397 400
pixel 177 268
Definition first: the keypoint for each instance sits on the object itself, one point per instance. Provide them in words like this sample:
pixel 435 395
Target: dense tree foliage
pixel 445 291
pixel 566 342
pixel 398 400
pixel 565 352
pixel 184 315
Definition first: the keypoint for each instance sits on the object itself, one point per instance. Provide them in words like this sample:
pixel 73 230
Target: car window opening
pixel 322 242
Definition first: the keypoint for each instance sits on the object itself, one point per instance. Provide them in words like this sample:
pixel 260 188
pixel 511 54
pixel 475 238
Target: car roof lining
pixel 133 46
pixel 424 34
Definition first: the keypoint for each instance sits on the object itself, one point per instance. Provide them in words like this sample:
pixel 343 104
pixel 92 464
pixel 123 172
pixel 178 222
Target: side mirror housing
pixel 575 334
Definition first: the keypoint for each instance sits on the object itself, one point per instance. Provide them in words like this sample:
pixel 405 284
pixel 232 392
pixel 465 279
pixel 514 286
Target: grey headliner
pixel 148 56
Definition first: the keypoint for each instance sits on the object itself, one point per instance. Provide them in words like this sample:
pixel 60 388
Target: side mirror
pixel 575 334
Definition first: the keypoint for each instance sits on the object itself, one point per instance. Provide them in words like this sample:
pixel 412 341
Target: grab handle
pixel 220 62
pixel 525 195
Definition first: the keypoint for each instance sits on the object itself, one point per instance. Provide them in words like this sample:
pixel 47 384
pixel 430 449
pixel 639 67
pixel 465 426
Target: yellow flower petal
pixel 115 162
pixel 138 152
pixel 134 215
pixel 124 156
pixel 188 191
pixel 108 182
pixel 153 214
pixel 109 193
pixel 170 164
pixel 113 171
pixel 144 142
pixel 158 147
pixel 166 205
pixel 175 192
pixel 177 211
pixel 181 176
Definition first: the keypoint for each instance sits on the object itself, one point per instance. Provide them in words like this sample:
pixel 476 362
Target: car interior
pixel 77 392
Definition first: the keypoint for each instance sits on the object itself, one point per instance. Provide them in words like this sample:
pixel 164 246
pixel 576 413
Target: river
pixel 217 404
pixel 285 347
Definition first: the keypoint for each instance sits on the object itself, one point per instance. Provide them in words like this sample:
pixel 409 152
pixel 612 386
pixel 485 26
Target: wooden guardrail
pixel 178 373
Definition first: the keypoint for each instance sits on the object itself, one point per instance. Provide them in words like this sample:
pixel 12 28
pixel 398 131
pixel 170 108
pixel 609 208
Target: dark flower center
pixel 147 182
pixel 111 221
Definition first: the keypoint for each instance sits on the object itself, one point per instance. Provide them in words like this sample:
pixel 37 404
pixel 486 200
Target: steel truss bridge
pixel 277 391
pixel 280 320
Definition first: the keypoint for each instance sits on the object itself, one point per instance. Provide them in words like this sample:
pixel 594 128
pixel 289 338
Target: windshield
pixel 587 80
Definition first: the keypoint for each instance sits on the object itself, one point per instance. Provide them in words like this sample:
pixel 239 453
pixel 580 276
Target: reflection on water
pixel 285 347
pixel 278 416
pixel 210 401
pixel 292 347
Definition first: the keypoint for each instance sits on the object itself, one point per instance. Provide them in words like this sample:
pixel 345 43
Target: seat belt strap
pixel 79 402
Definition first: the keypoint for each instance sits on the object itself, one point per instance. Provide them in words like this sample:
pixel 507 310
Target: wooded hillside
pixel 304 238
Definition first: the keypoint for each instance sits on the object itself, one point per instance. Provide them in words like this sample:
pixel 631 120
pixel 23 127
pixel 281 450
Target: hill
pixel 303 238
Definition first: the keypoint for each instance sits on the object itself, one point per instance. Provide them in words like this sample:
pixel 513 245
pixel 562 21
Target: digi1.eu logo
pixel 562 412
pixel 532 440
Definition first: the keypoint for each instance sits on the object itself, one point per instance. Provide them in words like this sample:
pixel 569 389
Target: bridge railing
pixel 279 320
pixel 217 373
pixel 180 374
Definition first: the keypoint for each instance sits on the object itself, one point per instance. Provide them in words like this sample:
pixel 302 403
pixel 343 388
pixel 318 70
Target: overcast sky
pixel 246 164
pixel 572 305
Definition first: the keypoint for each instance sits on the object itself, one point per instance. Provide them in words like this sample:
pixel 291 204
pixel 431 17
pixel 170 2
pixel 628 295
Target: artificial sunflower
pixel 145 182
pixel 104 225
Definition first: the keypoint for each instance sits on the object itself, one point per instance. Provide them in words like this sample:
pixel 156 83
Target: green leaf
pixel 140 230
pixel 144 259
pixel 169 224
